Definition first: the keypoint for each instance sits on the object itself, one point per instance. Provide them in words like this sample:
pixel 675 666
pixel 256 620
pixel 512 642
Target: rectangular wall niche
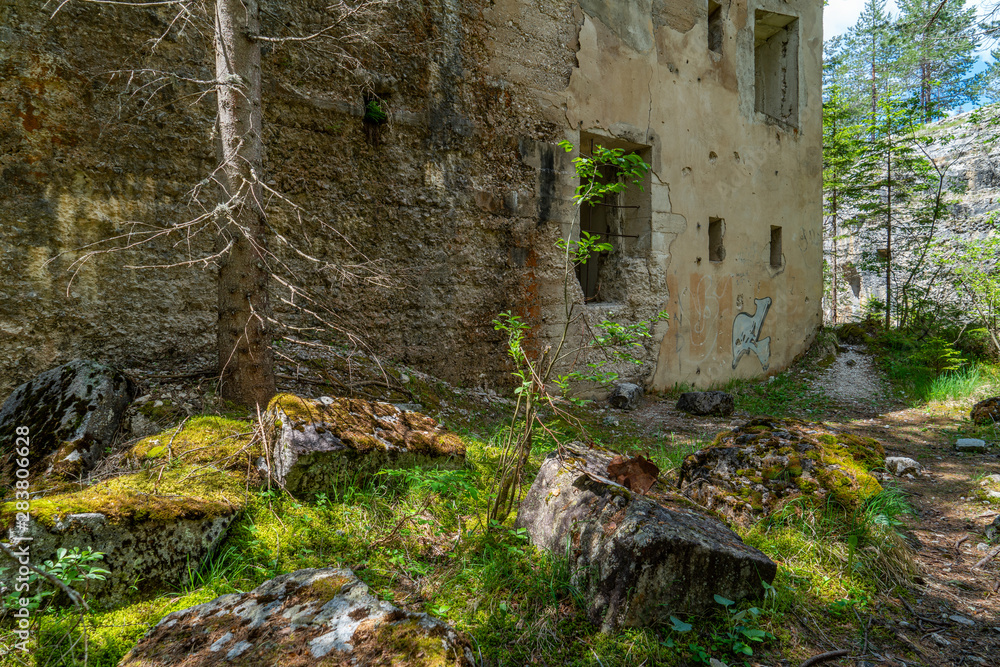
pixel 714 26
pixel 716 247
pixel 623 220
pixel 776 66
pixel 775 247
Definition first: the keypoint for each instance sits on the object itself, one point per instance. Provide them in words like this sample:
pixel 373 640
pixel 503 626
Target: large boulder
pixel 308 617
pixel 153 527
pixel 641 557
pixel 318 443
pixel 717 403
pixel 749 471
pixel 71 414
pixel 986 412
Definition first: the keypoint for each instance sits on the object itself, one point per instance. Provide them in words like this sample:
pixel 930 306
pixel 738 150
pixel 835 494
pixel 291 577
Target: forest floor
pixel 949 615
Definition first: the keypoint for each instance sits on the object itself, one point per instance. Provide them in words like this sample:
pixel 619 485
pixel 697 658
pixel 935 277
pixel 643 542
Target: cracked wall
pixel 460 203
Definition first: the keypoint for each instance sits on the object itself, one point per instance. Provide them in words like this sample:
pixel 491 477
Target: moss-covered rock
pixel 153 526
pixel 66 417
pixel 749 471
pixel 320 443
pixel 229 443
pixel 309 617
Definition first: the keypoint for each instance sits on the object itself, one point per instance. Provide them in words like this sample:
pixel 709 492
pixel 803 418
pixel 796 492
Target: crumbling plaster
pixel 641 80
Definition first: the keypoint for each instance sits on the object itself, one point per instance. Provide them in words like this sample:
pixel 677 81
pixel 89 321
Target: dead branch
pixel 987 558
pixel 823 657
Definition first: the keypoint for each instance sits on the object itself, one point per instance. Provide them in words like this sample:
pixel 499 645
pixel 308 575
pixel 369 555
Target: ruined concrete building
pixel 457 200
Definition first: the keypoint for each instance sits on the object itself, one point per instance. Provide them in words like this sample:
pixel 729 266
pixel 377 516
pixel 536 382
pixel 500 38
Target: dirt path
pixel 951 615
pixel 955 617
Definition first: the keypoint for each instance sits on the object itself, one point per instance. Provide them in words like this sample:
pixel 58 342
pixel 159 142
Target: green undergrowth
pixel 417 538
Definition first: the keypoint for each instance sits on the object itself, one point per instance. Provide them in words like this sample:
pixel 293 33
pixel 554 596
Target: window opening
pixel 716 248
pixel 776 66
pixel 622 220
pixel 775 247
pixel 714 26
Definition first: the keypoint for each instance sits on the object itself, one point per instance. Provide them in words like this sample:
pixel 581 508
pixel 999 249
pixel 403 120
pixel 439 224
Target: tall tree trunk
pixel 245 355
pixel 888 233
pixel 834 278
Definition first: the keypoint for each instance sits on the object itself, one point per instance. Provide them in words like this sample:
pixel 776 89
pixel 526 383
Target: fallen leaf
pixel 636 474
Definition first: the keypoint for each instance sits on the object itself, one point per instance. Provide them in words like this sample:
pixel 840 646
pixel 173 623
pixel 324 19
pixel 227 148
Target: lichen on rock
pixel 319 443
pixel 307 617
pixel 749 471
pixel 71 414
pixel 639 557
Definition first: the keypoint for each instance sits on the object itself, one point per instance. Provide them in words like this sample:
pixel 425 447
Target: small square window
pixel 775 247
pixel 714 26
pixel 716 248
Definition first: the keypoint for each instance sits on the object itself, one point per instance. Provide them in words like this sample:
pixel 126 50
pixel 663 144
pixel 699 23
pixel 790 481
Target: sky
pixel 840 15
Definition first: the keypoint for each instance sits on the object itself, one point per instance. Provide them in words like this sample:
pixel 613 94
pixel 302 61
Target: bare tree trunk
pixel 888 235
pixel 245 355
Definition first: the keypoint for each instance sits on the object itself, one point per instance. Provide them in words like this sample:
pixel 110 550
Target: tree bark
pixel 245 357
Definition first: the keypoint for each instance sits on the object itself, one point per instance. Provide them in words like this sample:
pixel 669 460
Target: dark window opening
pixel 775 246
pixel 776 66
pixel 716 248
pixel 622 220
pixel 714 26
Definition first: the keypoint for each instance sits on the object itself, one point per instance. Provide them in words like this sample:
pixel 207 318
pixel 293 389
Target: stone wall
pixel 454 205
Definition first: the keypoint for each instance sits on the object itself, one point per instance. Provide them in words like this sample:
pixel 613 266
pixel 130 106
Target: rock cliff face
pixel 966 146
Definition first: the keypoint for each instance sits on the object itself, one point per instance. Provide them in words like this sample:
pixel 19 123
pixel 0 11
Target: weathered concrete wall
pixel 459 203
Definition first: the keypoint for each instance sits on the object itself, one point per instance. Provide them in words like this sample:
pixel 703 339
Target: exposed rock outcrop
pixel 717 403
pixel 749 471
pixel 71 414
pixel 640 558
pixel 305 618
pixel 986 412
pixel 318 443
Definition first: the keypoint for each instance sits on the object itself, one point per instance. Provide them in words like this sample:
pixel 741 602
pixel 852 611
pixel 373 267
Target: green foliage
pixel 628 168
pixel 731 639
pixel 374 113
pixel 74 567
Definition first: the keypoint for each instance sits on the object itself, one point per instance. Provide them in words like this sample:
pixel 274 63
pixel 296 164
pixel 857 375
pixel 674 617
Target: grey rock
pixel 640 558
pixel 717 403
pixel 153 554
pixel 625 396
pixel 990 480
pixel 317 444
pixel 962 620
pixel 970 445
pixel 900 466
pixel 324 614
pixel 610 420
pixel 409 407
pixel 74 409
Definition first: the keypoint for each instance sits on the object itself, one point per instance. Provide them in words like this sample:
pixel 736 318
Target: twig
pixel 73 595
pixel 987 558
pixel 823 657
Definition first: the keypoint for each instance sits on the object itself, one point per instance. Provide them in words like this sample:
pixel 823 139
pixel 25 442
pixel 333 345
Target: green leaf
pixel 725 602
pixel 679 625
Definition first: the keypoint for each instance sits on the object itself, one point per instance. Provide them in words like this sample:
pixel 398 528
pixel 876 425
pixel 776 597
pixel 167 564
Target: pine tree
pixel 842 147
pixel 938 40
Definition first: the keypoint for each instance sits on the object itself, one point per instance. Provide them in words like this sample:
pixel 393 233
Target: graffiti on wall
pixel 746 334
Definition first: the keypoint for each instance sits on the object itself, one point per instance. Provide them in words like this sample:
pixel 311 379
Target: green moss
pixel 407 643
pixel 184 492
pixel 203 440
pixel 867 451
pixel 328 588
